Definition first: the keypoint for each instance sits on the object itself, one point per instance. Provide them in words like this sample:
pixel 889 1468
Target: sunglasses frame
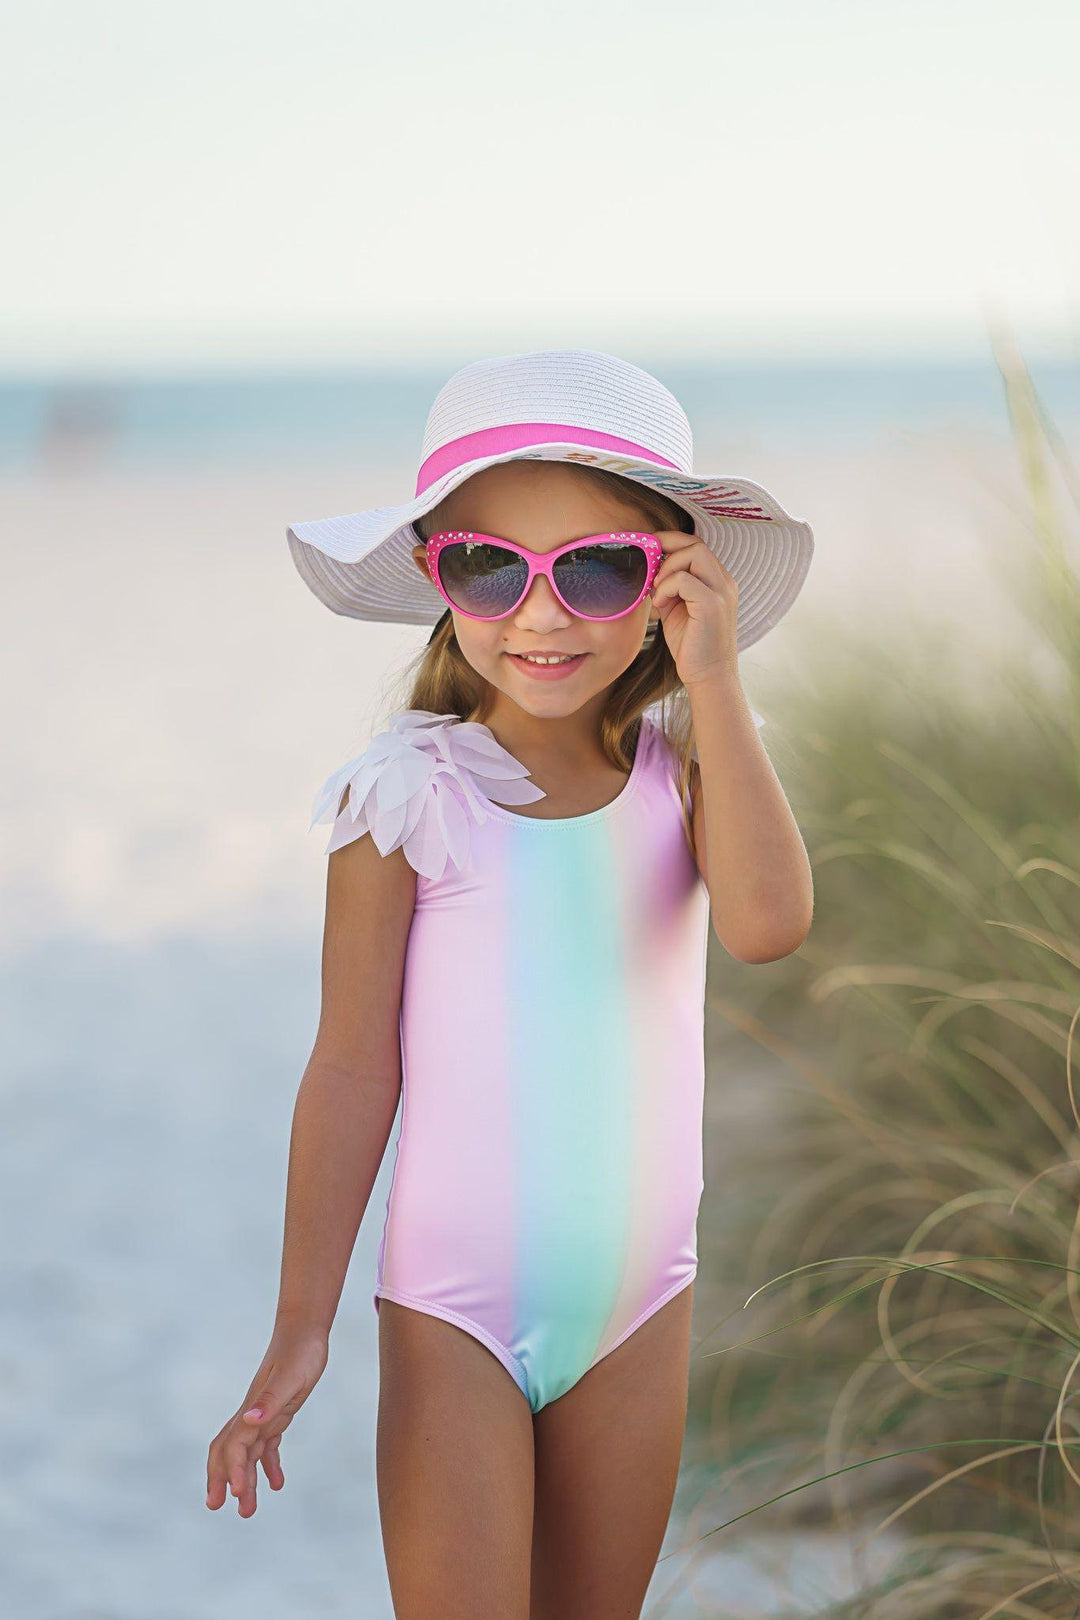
pixel 544 563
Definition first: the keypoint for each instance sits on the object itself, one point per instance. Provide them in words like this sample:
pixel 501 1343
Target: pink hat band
pixel 495 441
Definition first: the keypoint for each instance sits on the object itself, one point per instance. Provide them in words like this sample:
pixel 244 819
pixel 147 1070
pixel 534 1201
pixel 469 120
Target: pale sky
pixel 254 182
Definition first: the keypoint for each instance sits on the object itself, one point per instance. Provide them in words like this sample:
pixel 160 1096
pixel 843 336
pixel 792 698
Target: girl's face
pixel 541 505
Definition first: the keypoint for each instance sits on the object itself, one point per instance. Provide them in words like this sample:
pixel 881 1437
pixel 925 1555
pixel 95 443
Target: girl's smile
pixel 554 671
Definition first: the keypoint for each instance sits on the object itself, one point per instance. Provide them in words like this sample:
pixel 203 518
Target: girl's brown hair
pixel 445 683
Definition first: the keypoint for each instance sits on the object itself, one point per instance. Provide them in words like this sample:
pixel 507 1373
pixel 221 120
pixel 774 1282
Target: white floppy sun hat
pixel 576 405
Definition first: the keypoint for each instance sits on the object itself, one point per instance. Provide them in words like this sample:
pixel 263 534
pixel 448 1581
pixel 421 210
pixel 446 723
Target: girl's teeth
pixel 569 658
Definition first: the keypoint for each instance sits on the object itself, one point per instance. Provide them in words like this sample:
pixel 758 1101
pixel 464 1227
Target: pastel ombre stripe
pixel 547 1174
pixel 571 1067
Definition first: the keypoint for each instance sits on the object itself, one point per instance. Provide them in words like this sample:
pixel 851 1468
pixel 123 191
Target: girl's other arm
pixel 749 849
pixel 344 1110
pixel 349 1091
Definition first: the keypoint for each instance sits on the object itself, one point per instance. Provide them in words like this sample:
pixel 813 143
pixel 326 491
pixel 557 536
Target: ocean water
pixel 377 413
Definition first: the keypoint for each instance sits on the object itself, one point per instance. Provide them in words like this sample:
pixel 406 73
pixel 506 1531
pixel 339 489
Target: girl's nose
pixel 541 606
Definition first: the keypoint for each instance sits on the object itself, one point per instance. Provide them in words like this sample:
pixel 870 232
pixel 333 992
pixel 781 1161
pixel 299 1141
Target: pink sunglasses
pixel 602 576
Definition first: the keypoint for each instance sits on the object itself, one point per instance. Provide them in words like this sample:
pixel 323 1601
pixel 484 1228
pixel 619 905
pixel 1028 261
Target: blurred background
pixel 245 245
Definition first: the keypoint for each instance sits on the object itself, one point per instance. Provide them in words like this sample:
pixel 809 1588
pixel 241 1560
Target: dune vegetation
pixel 888 1314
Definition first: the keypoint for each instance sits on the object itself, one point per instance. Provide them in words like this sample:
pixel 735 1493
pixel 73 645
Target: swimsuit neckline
pixel 629 787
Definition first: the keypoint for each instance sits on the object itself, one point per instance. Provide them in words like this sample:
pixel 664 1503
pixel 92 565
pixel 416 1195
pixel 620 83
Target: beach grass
pixel 888 1314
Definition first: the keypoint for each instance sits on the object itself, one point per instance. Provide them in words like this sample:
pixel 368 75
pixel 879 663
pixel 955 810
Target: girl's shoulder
pixel 421 783
pixel 656 738
pixel 654 714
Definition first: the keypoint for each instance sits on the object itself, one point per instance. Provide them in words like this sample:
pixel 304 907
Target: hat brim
pixel 360 564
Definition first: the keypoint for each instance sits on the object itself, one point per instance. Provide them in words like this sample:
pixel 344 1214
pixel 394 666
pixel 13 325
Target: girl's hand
pixel 291 1367
pixel 697 601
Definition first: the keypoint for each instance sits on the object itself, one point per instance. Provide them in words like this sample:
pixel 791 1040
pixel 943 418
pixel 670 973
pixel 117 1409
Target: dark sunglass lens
pixel 481 579
pixel 602 580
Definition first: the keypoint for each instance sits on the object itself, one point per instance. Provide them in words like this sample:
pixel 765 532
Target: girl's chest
pixel 624 880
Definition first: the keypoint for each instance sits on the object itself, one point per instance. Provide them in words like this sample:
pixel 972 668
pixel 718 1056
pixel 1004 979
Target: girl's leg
pixel 607 1460
pixel 454 1465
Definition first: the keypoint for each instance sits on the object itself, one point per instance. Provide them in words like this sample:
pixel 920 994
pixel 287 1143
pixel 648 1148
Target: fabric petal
pixel 498 774
pixel 453 824
pixel 425 847
pixel 423 783
pixel 516 792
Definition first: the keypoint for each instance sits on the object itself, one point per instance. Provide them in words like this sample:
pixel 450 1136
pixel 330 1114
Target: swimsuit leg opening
pixel 650 1310
pixel 429 1308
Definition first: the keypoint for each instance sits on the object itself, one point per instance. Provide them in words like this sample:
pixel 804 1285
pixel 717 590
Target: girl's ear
pixel 419 556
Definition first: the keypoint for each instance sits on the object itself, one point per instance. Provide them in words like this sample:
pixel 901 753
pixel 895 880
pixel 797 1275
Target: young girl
pixel 523 869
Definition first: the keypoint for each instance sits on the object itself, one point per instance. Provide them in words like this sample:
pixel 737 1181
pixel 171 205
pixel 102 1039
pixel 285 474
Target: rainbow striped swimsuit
pixel 548 1165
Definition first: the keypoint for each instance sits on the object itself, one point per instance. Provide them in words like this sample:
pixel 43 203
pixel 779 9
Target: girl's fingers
pixel 687 586
pixel 239 1443
pixel 247 1442
pixel 217 1469
pixel 672 540
pixel 241 1465
pixel 271 1463
pixel 696 558
pixel 252 1435
pixel 684 587
pixel 242 1485
pixel 216 1489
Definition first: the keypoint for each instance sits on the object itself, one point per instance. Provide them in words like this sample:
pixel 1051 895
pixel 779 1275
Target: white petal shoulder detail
pixel 421 784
